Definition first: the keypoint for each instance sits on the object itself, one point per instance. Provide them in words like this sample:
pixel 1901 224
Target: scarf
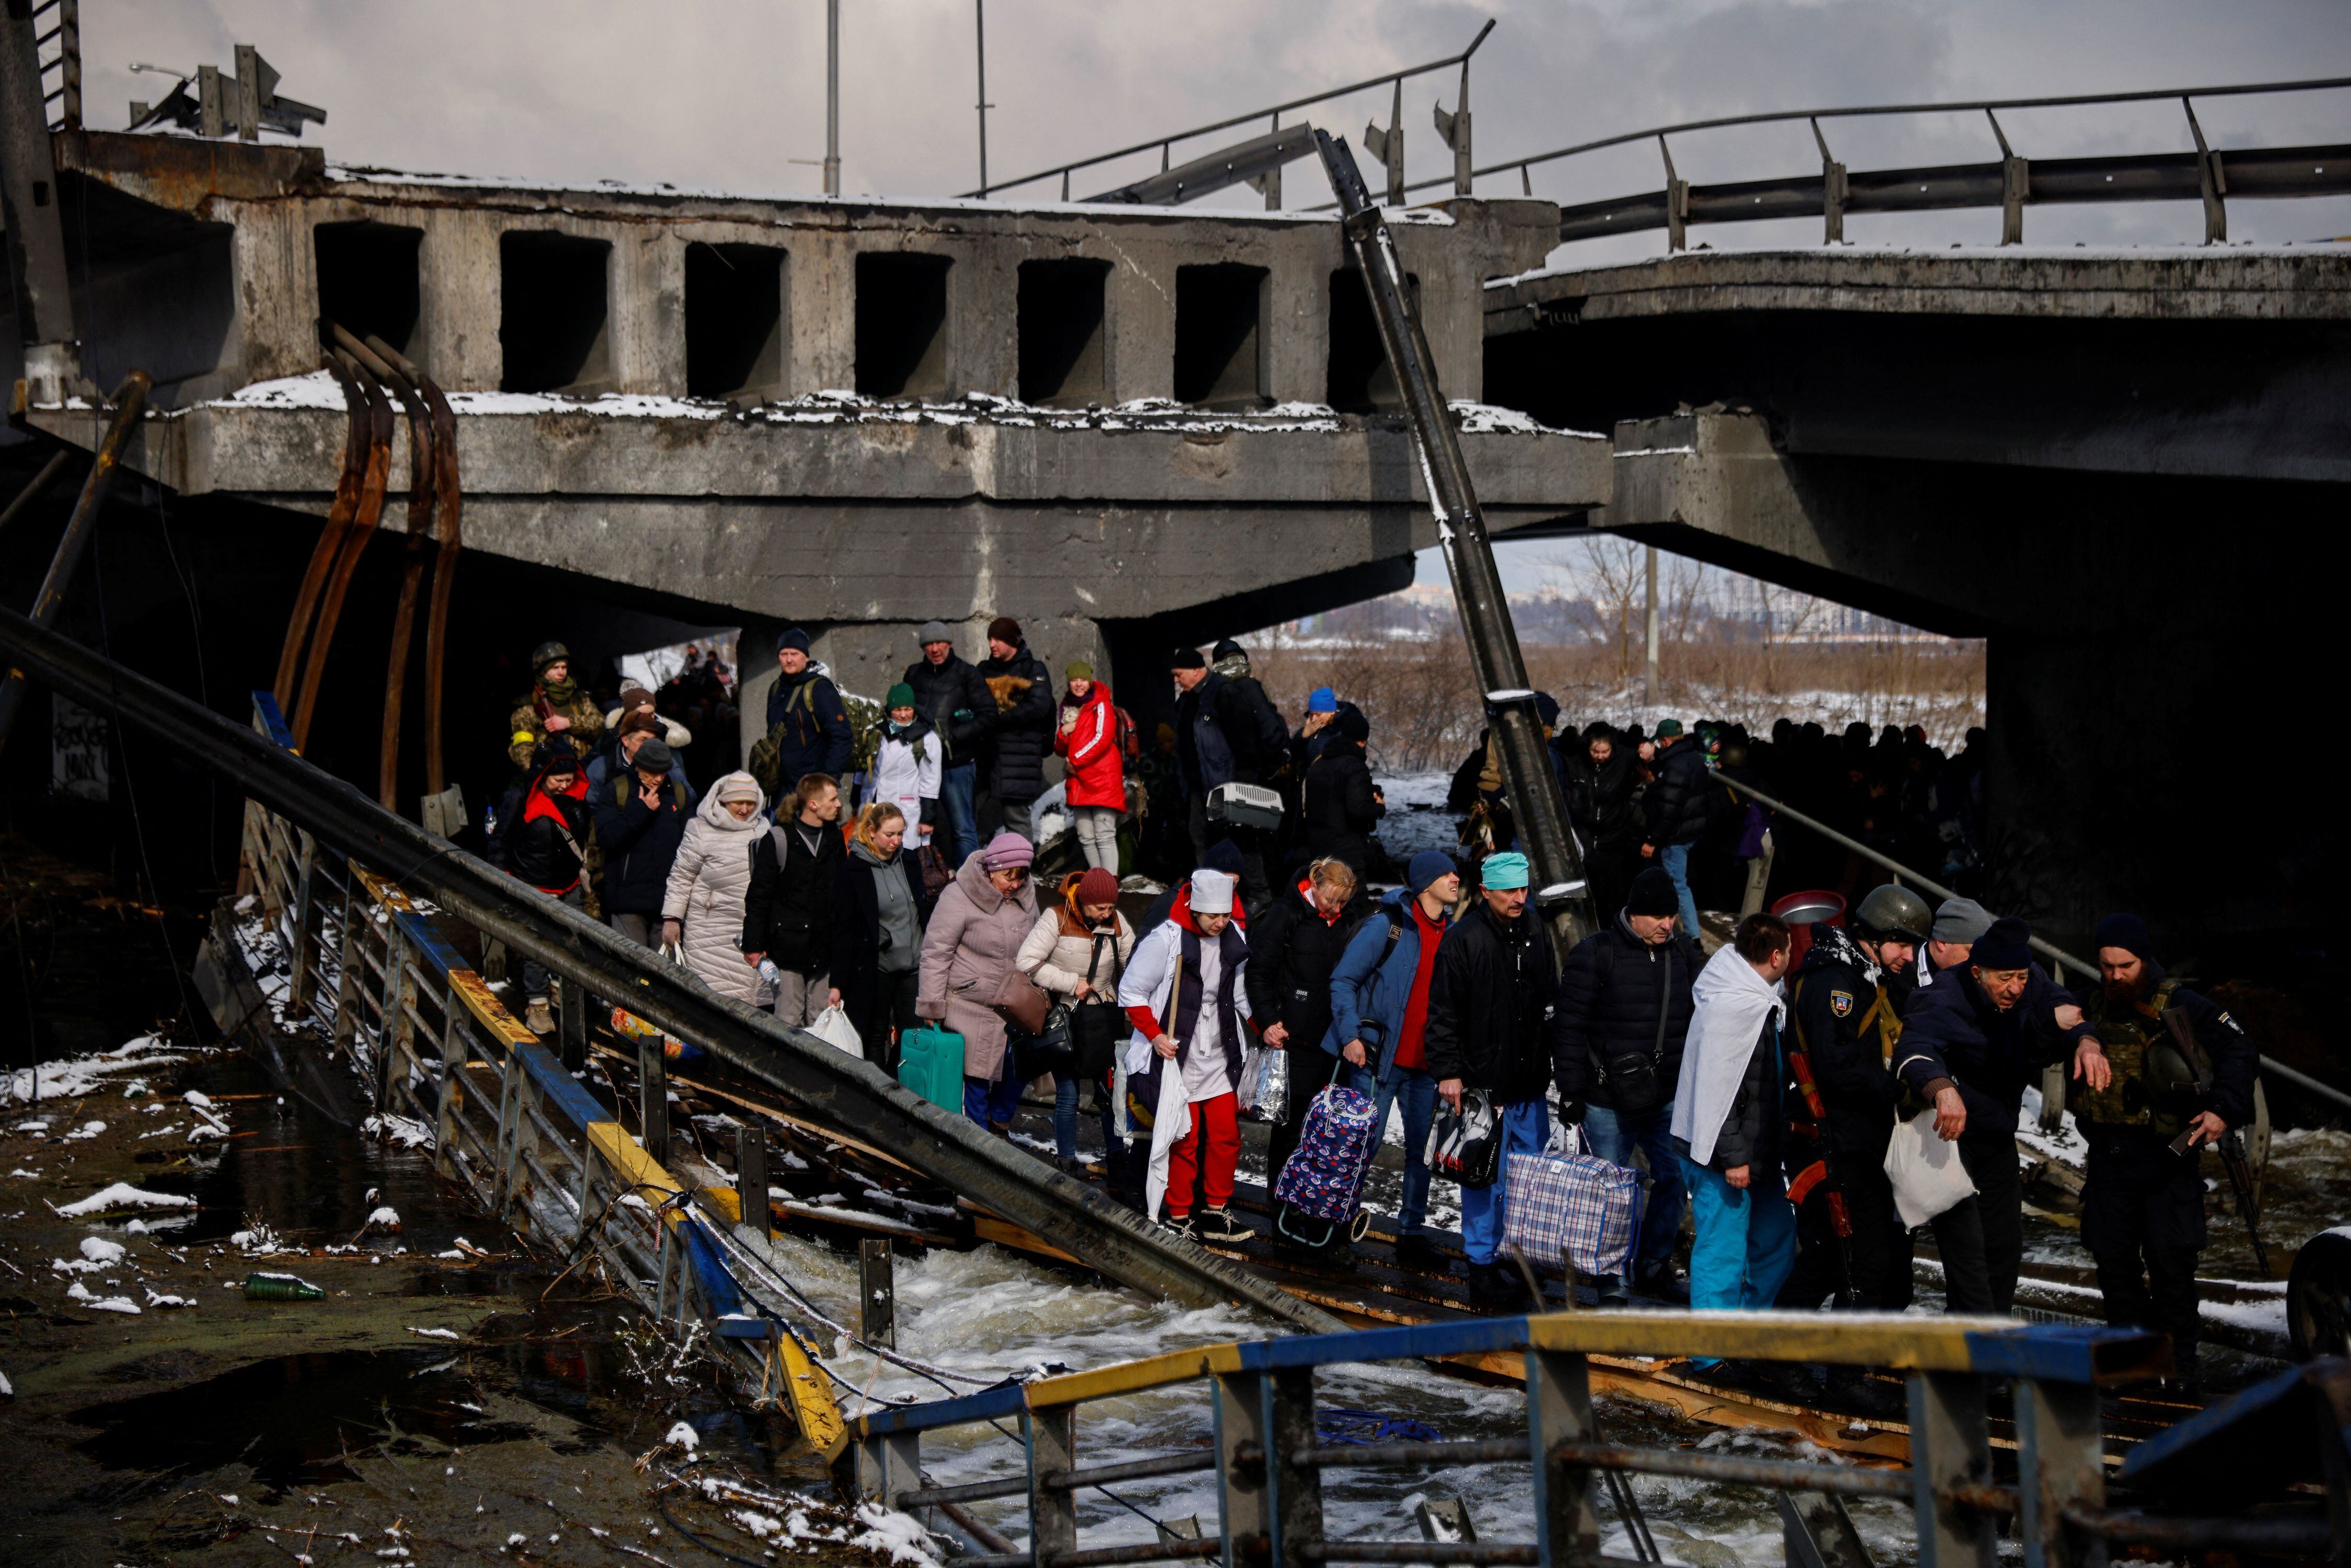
pixel 1732 1003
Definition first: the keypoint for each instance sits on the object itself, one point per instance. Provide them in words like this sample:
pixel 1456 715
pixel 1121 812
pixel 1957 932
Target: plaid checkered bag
pixel 1579 1203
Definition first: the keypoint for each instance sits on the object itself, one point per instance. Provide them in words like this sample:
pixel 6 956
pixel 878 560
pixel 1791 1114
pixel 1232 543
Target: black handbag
pixel 1095 1027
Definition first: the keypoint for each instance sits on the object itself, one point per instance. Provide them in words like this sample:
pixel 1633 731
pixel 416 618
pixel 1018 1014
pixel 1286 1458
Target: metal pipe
pixel 130 400
pixel 1134 1470
pixel 979 26
pixel 2299 1079
pixel 2290 1537
pixel 972 1492
pixel 1163 1550
pixel 1561 892
pixel 814 1078
pixel 1349 1456
pixel 832 97
pixel 1649 631
pixel 34 487
pixel 1434 1551
pixel 1741 1472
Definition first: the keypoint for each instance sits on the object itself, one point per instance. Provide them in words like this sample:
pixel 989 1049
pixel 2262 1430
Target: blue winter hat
pixel 1504 872
pixel 1427 867
pixel 1322 699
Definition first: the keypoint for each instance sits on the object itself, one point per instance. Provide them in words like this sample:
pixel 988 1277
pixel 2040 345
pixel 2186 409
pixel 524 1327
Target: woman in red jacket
pixel 1089 739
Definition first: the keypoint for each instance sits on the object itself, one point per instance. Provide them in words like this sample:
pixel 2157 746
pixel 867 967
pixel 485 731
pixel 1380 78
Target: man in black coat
pixel 954 697
pixel 1677 807
pixel 1617 1038
pixel 788 911
pixel 1022 691
pixel 807 721
pixel 640 819
pixel 1222 735
pixel 1489 1005
pixel 2142 1202
pixel 1342 804
pixel 1846 1017
pixel 1970 1042
pixel 1294 944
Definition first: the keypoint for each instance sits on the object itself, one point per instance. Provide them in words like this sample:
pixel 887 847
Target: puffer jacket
pixel 1680 802
pixel 1489 1001
pixel 547 847
pixel 972 942
pixel 1057 961
pixel 1089 746
pixel 1340 809
pixel 1024 723
pixel 1294 949
pixel 955 700
pixel 1599 1017
pixel 810 725
pixel 1370 989
pixel 707 881
pixel 638 843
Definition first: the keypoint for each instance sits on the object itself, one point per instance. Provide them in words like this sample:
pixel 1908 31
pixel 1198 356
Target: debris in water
pixel 260 1287
pixel 435 1333
pixel 121 1194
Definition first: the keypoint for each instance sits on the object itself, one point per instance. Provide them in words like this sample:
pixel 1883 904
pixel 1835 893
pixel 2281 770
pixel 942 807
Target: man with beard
pixel 2142 1203
pixel 1847 1008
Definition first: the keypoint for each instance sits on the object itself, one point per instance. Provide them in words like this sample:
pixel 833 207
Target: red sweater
pixel 1410 1052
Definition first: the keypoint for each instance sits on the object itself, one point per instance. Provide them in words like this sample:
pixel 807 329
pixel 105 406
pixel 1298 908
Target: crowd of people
pixel 1761 1088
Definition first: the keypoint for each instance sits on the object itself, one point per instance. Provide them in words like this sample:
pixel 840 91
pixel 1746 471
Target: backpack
pixel 767 762
pixel 1130 742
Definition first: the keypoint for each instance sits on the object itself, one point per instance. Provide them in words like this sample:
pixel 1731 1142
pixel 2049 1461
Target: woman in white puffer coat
pixel 703 908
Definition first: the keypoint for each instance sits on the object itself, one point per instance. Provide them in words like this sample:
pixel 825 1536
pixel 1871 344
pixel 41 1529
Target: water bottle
pixel 769 973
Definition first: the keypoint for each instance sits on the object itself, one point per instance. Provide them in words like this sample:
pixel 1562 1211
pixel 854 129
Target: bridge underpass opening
pixel 734 328
pixel 367 279
pixel 902 324
pixel 554 313
pixel 1062 331
pixel 1220 336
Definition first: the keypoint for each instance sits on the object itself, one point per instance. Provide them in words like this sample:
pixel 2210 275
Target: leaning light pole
pixel 1561 892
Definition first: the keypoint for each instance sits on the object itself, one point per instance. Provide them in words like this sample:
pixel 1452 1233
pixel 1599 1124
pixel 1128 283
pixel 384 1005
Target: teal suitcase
pixel 930 1063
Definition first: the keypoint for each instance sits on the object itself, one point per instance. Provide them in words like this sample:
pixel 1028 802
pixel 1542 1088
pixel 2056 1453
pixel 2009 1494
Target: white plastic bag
pixel 1928 1176
pixel 833 1027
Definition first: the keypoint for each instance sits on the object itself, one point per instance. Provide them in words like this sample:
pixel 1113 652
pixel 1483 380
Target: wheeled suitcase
pixel 930 1063
pixel 1574 1204
pixel 1320 1186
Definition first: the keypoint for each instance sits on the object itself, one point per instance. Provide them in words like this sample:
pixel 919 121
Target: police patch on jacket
pixel 1841 1003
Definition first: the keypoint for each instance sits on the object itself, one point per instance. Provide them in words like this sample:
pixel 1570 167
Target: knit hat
pixel 1212 891
pixel 1653 893
pixel 654 756
pixel 1351 725
pixel 633 694
pixel 1004 629
pixel 897 696
pixel 1427 867
pixel 555 749
pixel 1224 855
pixel 1504 872
pixel 1959 921
pixel 737 786
pixel 1667 727
pixel 792 637
pixel 1098 886
pixel 1322 699
pixel 2128 932
pixel 1006 851
pixel 1186 659
pixel 1227 648
pixel 932 632
pixel 639 718
pixel 1077 670
pixel 2003 947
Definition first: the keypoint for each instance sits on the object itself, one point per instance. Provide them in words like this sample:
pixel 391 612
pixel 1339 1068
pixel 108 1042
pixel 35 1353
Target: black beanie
pixel 1654 893
pixel 2128 932
pixel 1186 659
pixel 2006 946
pixel 1351 725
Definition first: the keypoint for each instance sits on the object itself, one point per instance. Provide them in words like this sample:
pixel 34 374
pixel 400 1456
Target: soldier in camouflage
pixel 555 704
pixel 2143 1204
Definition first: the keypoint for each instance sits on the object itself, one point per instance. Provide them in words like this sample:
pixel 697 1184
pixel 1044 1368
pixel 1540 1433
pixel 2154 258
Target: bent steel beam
pixel 822 1082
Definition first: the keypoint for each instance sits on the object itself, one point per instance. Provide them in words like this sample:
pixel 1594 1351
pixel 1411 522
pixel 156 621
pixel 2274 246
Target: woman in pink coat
pixel 1088 740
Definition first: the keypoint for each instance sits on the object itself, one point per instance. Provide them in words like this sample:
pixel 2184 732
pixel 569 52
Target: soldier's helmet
pixel 547 653
pixel 1892 914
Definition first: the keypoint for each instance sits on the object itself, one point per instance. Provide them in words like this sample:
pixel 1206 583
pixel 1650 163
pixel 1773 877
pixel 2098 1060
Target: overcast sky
pixel 730 95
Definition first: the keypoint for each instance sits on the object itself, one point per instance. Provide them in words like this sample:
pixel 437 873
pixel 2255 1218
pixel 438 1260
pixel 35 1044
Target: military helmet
pixel 548 654
pixel 1894 913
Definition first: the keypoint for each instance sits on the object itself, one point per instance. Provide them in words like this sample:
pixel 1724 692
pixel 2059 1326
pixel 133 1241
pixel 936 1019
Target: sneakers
pixel 536 1019
pixel 1220 1227
pixel 1181 1224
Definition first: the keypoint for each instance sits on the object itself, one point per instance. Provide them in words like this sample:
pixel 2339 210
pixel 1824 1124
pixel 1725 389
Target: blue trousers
pixel 1415 1091
pixel 1746 1239
pixel 1526 1128
pixel 1675 858
pixel 992 1104
pixel 1614 1135
pixel 957 786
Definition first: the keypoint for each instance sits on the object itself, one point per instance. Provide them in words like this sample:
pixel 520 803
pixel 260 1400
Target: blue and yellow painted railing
pixel 1269 1464
pixel 693 1284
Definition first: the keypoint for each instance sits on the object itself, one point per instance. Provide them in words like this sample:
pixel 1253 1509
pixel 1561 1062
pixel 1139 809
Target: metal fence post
pixel 1293 1494
pixel 1559 1410
pixel 1240 1420
pixel 2058 1465
pixel 877 1311
pixel 304 977
pixel 888 1465
pixel 653 1100
pixel 395 1032
pixel 1949 1447
pixel 452 1086
pixel 510 1115
pixel 1051 1437
pixel 572 1027
pixel 347 983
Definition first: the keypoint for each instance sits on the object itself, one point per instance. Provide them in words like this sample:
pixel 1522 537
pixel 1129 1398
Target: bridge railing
pixel 1269 1463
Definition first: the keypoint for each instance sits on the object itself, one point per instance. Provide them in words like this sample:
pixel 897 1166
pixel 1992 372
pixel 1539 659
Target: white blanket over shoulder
pixel 1731 1002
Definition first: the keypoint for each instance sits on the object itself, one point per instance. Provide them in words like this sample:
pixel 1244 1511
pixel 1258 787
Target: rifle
pixel 1800 1063
pixel 2229 1147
